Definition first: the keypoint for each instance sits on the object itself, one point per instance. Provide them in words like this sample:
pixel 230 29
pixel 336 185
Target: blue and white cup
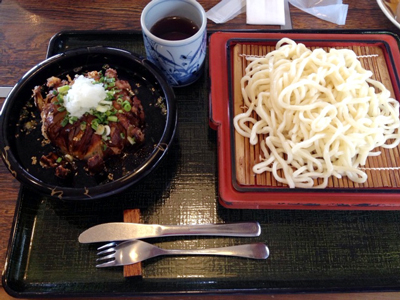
pixel 181 61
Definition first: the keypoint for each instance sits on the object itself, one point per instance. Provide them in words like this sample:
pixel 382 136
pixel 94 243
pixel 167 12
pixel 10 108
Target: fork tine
pixel 110 256
pixel 106 249
pixel 106 264
pixel 109 250
pixel 112 244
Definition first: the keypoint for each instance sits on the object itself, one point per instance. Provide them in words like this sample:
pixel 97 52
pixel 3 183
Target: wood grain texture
pixel 26 27
pixel 132 216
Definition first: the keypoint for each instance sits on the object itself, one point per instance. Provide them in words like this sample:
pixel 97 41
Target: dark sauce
pixel 174 28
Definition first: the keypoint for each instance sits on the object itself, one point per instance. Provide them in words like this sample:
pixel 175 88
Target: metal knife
pixel 120 231
pixel 4 91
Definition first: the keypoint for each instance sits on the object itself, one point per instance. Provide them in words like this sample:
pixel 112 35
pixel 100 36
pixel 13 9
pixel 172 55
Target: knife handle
pixel 244 229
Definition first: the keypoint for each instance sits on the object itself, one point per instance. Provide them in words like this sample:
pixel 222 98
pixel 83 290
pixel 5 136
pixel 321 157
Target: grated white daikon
pixel 83 96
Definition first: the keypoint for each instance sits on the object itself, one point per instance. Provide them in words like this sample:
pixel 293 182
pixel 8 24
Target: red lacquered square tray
pixel 238 186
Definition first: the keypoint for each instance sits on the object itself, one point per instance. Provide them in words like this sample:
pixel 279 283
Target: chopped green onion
pixel 105 102
pixel 65 121
pixel 100 129
pixel 101 108
pixel 126 105
pixel 109 85
pixel 110 96
pixel 112 119
pixel 95 123
pixel 107 131
pixel 131 140
pixel 72 120
pixel 63 89
pixel 59 160
pixel 82 126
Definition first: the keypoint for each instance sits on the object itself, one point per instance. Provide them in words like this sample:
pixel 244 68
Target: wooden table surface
pixel 27 25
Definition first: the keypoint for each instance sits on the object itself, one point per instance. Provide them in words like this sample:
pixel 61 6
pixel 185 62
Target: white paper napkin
pixel 329 10
pixel 265 12
pixel 226 10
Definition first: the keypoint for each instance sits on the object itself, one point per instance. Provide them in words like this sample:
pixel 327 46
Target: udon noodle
pixel 317 114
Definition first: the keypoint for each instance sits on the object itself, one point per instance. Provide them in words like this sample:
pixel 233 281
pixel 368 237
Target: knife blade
pixel 120 231
pixel 4 91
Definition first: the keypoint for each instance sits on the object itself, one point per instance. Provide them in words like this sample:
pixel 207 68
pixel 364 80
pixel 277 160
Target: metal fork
pixel 135 251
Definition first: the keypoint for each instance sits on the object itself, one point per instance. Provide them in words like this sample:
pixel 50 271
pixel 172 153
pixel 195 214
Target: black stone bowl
pixel 21 149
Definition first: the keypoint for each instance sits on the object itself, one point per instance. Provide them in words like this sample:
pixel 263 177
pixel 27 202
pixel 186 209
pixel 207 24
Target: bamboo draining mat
pixel 383 170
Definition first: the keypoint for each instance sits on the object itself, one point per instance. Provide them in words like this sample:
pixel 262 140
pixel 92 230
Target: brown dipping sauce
pixel 174 28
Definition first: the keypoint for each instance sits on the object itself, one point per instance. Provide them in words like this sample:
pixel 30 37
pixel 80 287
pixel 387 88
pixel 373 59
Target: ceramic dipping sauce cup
pixel 181 60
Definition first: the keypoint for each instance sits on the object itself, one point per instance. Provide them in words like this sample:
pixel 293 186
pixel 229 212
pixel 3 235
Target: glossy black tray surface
pixel 310 250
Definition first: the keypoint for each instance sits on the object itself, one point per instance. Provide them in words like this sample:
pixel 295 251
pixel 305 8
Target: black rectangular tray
pixel 311 251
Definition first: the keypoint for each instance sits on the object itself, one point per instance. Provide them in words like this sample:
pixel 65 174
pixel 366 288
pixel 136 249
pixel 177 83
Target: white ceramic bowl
pixel 390 8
